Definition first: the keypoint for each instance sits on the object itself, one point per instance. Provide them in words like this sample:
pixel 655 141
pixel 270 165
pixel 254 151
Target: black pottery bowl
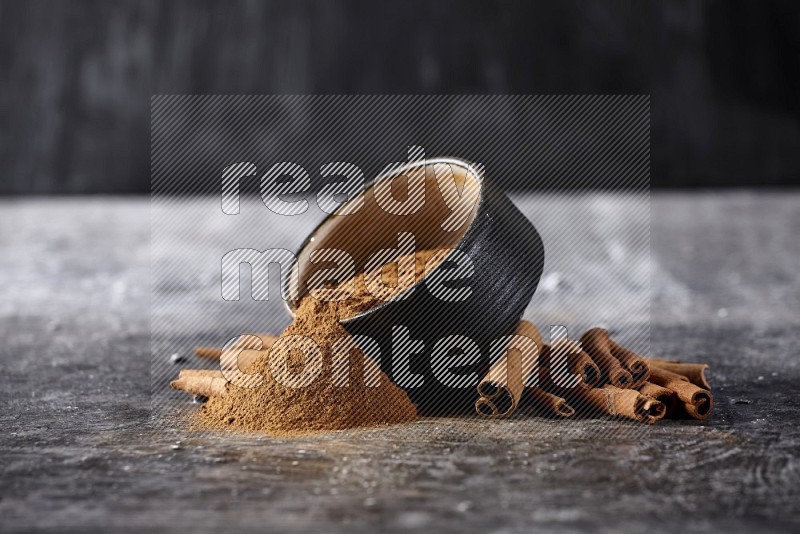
pixel 450 351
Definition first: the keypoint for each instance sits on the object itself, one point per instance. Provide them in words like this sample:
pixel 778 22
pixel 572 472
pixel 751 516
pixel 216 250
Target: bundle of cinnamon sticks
pixel 597 376
pixel 594 377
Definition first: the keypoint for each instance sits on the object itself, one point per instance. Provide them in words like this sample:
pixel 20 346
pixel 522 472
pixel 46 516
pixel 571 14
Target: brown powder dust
pixel 338 395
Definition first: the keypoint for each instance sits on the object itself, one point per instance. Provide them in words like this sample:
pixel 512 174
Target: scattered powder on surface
pixel 322 404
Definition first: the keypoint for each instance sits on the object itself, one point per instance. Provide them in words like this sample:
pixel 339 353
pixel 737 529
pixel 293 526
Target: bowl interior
pixel 372 221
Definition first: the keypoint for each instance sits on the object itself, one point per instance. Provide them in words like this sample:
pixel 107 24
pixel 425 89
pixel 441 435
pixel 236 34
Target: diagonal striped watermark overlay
pixel 239 182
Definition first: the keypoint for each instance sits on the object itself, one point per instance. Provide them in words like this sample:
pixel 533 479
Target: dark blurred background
pixel 76 77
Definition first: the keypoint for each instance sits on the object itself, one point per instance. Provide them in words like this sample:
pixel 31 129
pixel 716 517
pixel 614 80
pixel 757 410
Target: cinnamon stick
pixel 210 353
pixel 694 372
pixel 206 383
pixel 598 345
pixel 636 365
pixel 486 408
pixel 500 391
pixel 696 402
pixel 618 402
pixel 564 360
pixel 244 359
pixel 665 396
pixel 214 353
pixel 550 403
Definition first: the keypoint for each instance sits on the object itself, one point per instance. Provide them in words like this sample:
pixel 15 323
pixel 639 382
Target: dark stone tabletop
pixel 80 450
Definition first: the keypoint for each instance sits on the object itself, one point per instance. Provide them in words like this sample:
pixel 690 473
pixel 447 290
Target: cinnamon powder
pixel 277 406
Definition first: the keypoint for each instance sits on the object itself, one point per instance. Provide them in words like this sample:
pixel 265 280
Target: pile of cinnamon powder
pixel 323 404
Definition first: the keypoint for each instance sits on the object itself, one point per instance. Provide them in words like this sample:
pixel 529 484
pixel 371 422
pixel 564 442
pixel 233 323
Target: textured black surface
pixel 77 454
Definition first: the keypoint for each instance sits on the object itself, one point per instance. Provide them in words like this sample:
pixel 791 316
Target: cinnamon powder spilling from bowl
pixel 278 406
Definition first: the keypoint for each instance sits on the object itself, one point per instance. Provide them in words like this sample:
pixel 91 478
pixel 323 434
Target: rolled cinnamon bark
pixel 665 396
pixel 550 403
pixel 664 374
pixel 486 408
pixel 210 353
pixel 547 382
pixel 206 383
pixel 242 358
pixel 636 365
pixel 597 344
pixel 502 387
pixel 214 353
pixel 694 372
pixel 617 402
pixel 565 360
pixel 697 402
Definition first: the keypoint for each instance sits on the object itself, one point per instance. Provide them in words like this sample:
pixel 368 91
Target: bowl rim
pixel 391 173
